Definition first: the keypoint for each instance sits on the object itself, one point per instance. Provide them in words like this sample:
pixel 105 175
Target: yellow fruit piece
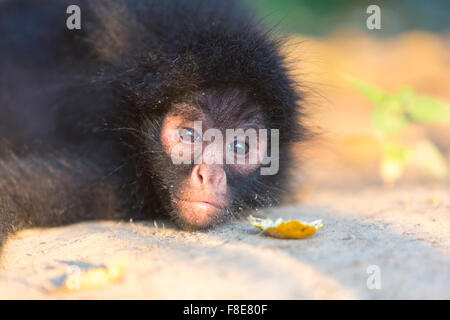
pixel 94 278
pixel 294 229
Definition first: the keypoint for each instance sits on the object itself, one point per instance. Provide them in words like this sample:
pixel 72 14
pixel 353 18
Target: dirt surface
pixel 405 232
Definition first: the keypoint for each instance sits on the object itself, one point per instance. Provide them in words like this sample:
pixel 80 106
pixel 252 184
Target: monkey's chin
pixel 199 214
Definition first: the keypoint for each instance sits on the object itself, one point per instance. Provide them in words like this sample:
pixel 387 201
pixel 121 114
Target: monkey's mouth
pixel 199 213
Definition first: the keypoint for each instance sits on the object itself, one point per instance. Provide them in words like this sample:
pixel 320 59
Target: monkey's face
pixel 212 156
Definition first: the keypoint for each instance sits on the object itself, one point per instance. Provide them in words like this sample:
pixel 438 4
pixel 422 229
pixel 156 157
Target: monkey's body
pixel 81 110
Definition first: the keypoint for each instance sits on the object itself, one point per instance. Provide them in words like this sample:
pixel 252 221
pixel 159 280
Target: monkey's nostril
pixel 200 177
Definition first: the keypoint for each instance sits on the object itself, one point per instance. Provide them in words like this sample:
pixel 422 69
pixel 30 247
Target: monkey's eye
pixel 189 135
pixel 239 148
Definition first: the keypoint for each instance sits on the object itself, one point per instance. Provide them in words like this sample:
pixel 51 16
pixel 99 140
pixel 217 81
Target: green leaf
pixel 396 151
pixel 371 92
pixel 424 109
pixel 388 118
pixel 394 159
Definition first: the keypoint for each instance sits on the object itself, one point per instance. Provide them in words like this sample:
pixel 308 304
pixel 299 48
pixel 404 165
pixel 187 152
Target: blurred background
pixel 378 100
pixel 326 17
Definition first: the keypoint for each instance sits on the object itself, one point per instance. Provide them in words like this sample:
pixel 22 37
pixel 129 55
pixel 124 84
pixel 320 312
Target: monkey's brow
pixel 241 115
pixel 187 111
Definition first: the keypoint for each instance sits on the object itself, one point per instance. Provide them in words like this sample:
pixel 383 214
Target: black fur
pixel 80 110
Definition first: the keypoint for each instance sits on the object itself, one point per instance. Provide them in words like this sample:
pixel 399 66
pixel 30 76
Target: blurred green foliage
pixel 392 114
pixel 324 17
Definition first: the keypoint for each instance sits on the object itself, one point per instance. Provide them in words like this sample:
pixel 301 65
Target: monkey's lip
pixel 201 202
pixel 199 213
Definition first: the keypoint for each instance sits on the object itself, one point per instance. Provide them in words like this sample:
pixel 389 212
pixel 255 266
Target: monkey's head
pixel 180 109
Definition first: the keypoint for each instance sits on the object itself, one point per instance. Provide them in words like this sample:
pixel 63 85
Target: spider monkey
pixel 89 117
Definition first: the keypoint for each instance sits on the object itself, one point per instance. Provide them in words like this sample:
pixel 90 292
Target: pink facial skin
pixel 204 193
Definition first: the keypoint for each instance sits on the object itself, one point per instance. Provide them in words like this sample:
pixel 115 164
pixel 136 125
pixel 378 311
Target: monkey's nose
pixel 205 176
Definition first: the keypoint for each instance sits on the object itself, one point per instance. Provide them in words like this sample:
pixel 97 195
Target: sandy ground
pixel 405 232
